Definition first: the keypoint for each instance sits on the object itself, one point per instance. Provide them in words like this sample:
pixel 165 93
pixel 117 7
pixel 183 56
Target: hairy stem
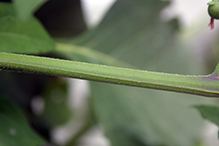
pixel 199 85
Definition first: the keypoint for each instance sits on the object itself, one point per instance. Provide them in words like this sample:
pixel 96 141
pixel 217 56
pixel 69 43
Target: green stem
pixel 89 53
pixel 199 85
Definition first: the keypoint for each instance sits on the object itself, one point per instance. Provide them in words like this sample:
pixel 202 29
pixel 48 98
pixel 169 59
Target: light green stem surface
pixel 199 85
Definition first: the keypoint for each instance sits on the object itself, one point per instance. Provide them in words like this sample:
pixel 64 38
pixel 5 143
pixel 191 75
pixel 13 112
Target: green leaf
pixel 209 112
pixel 22 37
pixel 14 127
pixel 25 8
pixel 130 116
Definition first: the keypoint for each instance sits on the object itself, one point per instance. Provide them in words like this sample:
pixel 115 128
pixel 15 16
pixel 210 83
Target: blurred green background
pixel 76 113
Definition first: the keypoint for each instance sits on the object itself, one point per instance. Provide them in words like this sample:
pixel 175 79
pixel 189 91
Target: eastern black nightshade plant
pixel 213 11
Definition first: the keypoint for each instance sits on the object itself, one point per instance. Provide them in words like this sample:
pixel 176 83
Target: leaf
pixel 209 112
pixel 25 8
pixel 14 127
pixel 131 115
pixel 22 37
pixel 133 33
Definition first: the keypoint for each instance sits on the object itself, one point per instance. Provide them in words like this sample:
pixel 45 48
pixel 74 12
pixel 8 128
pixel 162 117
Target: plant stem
pixel 199 85
pixel 89 53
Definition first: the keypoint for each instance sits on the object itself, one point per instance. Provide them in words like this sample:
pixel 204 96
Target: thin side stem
pixel 199 85
pixel 90 53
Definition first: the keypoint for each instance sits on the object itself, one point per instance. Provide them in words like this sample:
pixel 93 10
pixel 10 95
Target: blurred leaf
pixel 131 115
pixel 22 37
pixel 133 33
pixel 56 110
pixel 25 8
pixel 23 88
pixel 14 127
pixel 209 112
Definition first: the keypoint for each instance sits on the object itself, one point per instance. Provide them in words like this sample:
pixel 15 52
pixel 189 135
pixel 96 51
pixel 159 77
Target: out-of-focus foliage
pixel 56 111
pixel 25 8
pixel 62 18
pixel 22 36
pixel 14 127
pixel 132 32
pixel 209 112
